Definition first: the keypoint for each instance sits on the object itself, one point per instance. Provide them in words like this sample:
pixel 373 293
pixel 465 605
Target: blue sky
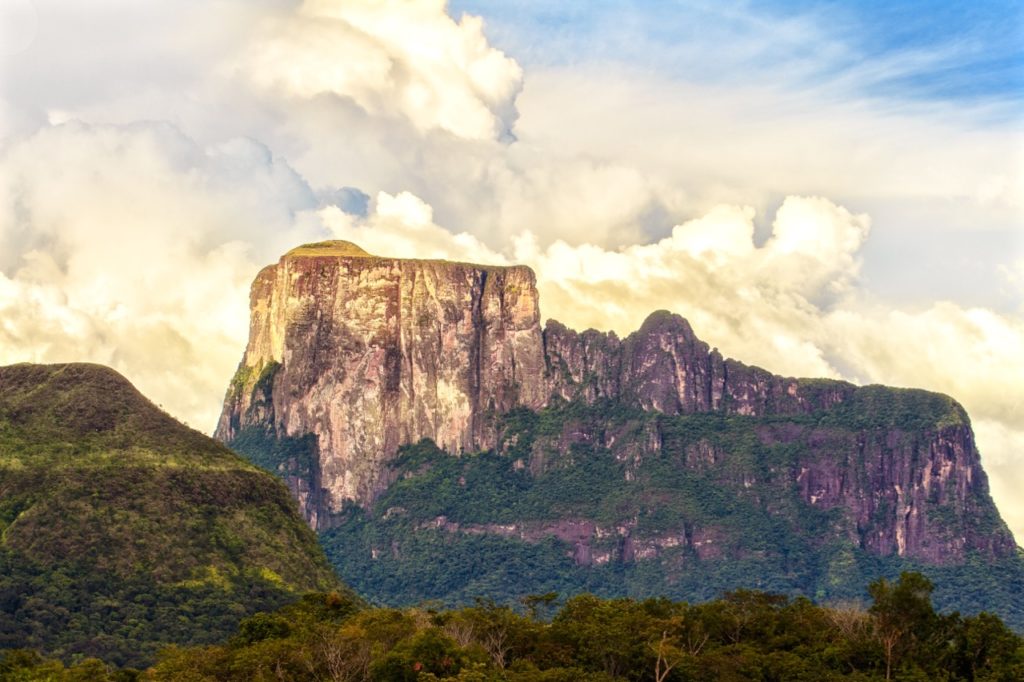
pixel 969 52
pixel 954 63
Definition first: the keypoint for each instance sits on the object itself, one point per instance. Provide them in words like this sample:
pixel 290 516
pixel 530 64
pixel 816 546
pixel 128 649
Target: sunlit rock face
pixel 371 353
pixel 351 356
pixel 914 492
pixel 664 367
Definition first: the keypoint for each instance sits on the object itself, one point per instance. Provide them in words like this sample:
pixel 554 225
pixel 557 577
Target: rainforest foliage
pixel 713 508
pixel 122 530
pixel 745 635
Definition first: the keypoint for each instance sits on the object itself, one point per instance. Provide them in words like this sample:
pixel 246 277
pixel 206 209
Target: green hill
pixel 122 530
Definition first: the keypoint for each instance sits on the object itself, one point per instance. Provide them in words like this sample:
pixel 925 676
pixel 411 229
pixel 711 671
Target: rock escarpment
pixel 370 353
pixel 352 356
pixel 664 367
pixel 885 484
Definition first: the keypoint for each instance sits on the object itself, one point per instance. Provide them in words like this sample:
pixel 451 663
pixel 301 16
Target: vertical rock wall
pixel 370 353
pixel 367 354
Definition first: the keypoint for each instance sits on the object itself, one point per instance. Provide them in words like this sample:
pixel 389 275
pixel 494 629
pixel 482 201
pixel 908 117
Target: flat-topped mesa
pixel 352 356
pixel 330 249
pixel 369 353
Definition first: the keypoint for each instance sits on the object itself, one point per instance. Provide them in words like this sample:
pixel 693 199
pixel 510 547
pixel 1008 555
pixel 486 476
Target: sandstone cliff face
pixel 664 367
pixel 920 494
pixel 371 353
pixel 367 354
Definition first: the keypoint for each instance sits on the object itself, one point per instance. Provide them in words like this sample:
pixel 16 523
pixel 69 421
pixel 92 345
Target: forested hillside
pixel 124 531
pixel 572 501
pixel 745 635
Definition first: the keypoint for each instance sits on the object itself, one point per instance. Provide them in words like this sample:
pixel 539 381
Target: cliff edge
pixel 352 356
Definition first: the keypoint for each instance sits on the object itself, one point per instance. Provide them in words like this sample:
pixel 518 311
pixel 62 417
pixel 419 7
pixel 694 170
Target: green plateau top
pixel 339 248
pixel 330 248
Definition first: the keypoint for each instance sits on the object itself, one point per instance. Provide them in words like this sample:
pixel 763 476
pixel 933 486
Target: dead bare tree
pixel 345 657
pixel 461 632
pixel 668 657
pixel 850 619
pixel 496 643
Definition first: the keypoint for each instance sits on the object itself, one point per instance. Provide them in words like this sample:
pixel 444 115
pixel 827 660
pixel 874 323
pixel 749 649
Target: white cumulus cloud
pixel 134 247
pixel 403 58
pixel 402 226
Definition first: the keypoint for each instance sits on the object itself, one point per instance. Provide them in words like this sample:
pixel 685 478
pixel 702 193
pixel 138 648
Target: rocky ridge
pixel 360 355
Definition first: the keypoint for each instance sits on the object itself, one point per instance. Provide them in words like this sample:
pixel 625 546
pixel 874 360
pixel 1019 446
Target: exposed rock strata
pixel 917 494
pixel 592 544
pixel 370 353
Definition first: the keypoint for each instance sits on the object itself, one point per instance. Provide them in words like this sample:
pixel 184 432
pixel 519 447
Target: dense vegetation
pixel 486 524
pixel 392 565
pixel 745 635
pixel 121 530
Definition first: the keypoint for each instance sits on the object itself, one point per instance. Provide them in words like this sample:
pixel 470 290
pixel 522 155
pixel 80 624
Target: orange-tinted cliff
pixel 351 356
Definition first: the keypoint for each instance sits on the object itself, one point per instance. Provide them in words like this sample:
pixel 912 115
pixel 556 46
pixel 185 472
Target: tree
pixel 988 650
pixel 903 615
pixel 262 626
pixel 493 627
pixel 538 605
pixel 612 636
pixel 669 655
pixel 428 651
pixel 344 651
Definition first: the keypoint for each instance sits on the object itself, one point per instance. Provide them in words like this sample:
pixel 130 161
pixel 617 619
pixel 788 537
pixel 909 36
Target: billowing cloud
pixel 403 226
pixel 135 247
pixel 1001 446
pixel 392 58
pixel 756 302
pixel 791 305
